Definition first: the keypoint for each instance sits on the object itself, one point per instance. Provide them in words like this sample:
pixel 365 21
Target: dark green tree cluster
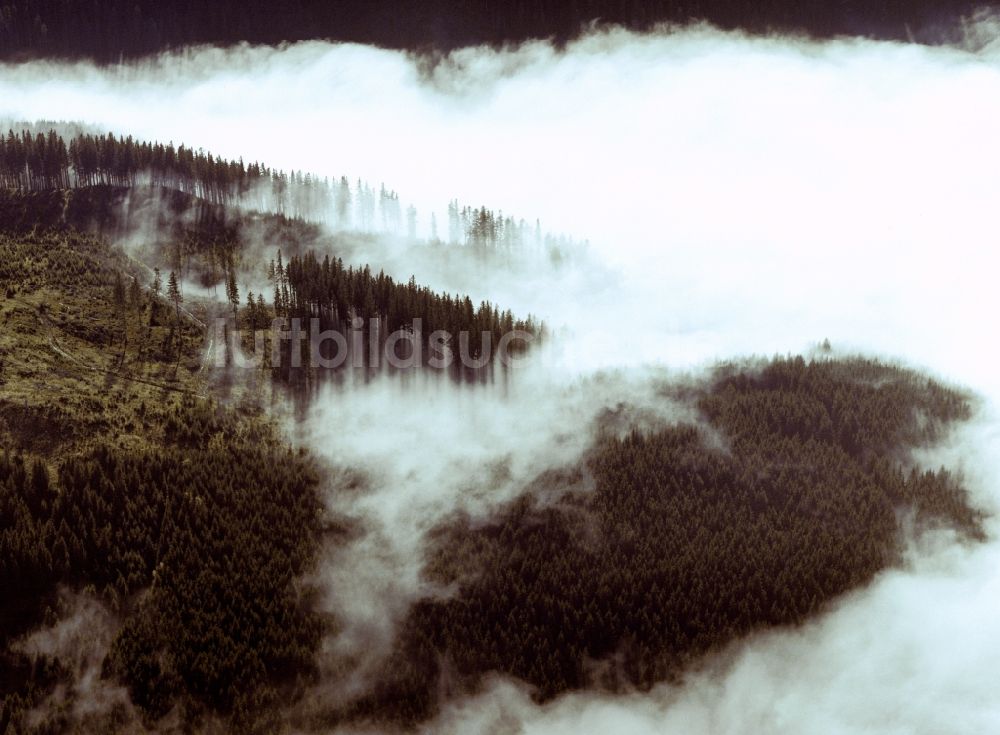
pixel 46 161
pixel 308 287
pixel 34 162
pixel 96 209
pixel 682 544
pixel 202 198
pixel 111 29
pixel 41 161
pixel 197 543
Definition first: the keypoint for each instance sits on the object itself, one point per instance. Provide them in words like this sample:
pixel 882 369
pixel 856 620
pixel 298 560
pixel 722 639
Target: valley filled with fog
pixel 720 197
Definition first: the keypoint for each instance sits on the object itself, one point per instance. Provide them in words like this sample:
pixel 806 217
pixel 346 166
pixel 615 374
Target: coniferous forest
pixel 37 161
pixel 681 508
pixel 204 231
pixel 198 536
pixel 687 544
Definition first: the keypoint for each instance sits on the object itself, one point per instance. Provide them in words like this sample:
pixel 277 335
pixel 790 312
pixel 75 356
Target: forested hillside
pixel 109 31
pixel 121 478
pixel 195 544
pixel 667 545
pixel 124 479
pixel 222 248
pixel 309 288
pixel 190 209
pixel 135 478
pixel 45 161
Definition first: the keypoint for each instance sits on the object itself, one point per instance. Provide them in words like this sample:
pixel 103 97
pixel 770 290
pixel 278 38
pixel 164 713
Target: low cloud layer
pixel 740 195
pixel 80 640
pixel 911 654
pixel 828 186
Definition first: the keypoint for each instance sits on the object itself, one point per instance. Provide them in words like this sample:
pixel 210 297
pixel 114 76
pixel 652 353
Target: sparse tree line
pixel 42 161
pixel 46 161
pixel 303 288
pixel 347 298
pixel 484 230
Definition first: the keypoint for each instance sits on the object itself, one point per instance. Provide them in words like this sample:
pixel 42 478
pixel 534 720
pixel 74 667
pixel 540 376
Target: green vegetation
pixel 191 521
pixel 46 161
pixel 123 477
pixel 307 287
pixel 215 245
pixel 196 544
pixel 672 544
pixel 77 367
pixel 202 190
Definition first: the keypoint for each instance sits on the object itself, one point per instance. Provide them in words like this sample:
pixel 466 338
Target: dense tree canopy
pixel 307 287
pixel 681 543
pixel 197 545
pixel 197 525
pixel 192 523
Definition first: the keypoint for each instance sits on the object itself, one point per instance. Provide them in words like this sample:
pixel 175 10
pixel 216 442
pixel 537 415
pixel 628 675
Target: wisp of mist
pixel 740 196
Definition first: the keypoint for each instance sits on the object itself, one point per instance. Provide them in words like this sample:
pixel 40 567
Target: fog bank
pixel 741 196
